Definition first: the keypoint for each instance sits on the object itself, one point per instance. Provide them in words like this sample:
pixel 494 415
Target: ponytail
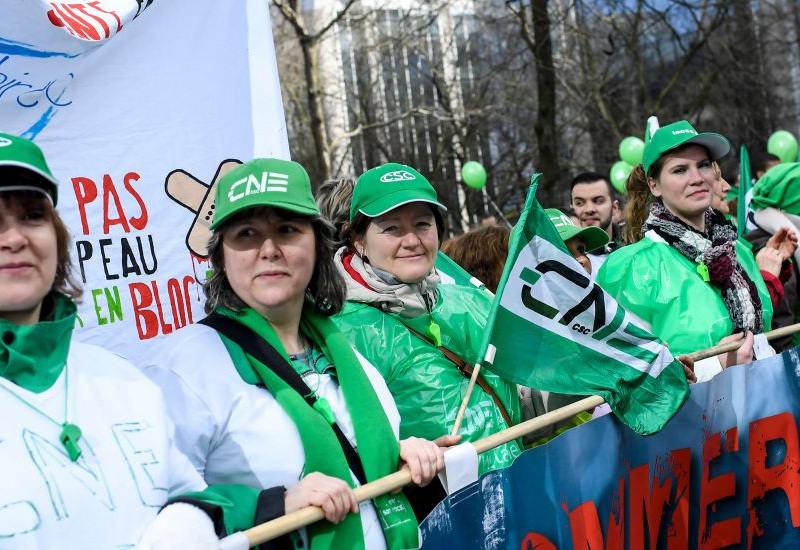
pixel 638 206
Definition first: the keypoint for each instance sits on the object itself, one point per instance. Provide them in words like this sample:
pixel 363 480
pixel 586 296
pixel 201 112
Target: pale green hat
pixel 388 186
pixel 675 135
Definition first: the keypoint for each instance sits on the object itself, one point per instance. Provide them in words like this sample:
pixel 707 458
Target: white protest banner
pixel 139 106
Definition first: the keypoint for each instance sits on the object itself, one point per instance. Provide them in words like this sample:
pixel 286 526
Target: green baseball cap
pixel 23 168
pixel 594 237
pixel 388 186
pixel 264 182
pixel 680 133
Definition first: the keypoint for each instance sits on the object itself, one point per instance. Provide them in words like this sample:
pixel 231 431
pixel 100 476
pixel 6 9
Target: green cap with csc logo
pixel 23 168
pixel 388 186
pixel 264 182
pixel 676 135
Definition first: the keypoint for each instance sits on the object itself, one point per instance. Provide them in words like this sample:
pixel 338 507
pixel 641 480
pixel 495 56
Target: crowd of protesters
pixel 334 353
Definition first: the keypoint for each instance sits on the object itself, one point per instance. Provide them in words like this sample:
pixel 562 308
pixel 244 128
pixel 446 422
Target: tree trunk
pixel 314 95
pixel 545 125
pixel 750 98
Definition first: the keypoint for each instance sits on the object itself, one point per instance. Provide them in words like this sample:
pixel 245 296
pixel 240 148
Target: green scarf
pixel 33 356
pixel 376 443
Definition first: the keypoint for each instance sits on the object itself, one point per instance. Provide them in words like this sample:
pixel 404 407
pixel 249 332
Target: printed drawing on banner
pixel 198 197
pixel 95 20
pixel 37 94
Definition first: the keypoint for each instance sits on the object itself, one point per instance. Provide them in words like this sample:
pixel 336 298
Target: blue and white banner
pixel 724 472
pixel 140 106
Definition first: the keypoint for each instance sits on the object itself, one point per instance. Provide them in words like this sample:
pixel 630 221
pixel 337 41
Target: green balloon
pixel 474 174
pixel 631 150
pixel 783 145
pixel 619 175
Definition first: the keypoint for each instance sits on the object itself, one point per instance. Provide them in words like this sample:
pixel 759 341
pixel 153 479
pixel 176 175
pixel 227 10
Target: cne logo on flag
pixel 544 280
pixel 269 182
pixel 5 142
pixel 397 175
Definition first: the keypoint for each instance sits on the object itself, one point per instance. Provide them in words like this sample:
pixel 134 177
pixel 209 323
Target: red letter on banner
pixel 535 541
pixel 146 320
pixel 726 532
pixel 652 503
pixel 85 192
pixel 644 502
pixel 109 191
pixel 585 524
pixel 784 475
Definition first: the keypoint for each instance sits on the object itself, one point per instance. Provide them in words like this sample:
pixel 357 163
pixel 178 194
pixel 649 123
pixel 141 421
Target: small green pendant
pixel 323 407
pixel 69 439
pixel 435 334
pixel 702 269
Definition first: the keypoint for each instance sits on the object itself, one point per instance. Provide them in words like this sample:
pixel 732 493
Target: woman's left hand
pixel 424 459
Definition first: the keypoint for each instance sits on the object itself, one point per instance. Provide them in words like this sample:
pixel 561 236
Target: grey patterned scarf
pixel 716 251
pixel 368 285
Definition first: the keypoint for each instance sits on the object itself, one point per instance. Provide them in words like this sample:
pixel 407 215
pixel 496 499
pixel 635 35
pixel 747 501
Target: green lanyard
pixel 70 433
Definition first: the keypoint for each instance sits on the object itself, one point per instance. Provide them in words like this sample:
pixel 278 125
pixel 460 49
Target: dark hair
pixel 333 199
pixel 326 288
pixel 358 228
pixel 639 196
pixel 482 252
pixel 592 177
pixel 64 281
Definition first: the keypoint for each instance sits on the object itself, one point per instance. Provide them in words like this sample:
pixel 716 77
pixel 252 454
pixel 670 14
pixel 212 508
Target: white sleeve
pixel 194 425
pixel 184 476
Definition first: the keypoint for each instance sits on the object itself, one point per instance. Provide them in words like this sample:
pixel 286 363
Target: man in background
pixel 594 204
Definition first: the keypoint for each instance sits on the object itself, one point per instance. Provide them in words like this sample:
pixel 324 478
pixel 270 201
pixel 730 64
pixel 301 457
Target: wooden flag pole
pixel 733 346
pixel 489 358
pixel 460 416
pixel 291 522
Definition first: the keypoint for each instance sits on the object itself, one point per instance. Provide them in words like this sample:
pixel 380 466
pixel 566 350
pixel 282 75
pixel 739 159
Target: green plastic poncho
pixel 659 285
pixel 779 188
pixel 427 387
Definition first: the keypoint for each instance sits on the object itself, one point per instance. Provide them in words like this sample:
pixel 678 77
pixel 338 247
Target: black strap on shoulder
pixel 255 345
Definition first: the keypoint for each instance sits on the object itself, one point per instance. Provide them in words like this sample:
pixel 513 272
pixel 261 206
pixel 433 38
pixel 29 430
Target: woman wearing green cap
pixel 424 337
pixel 686 274
pixel 86 446
pixel 267 392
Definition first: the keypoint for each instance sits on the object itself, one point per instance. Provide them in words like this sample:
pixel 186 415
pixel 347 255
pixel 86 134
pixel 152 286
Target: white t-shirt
pixel 235 432
pixel 127 469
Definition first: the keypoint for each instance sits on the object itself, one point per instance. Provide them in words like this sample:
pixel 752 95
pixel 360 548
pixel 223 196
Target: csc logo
pixel 397 175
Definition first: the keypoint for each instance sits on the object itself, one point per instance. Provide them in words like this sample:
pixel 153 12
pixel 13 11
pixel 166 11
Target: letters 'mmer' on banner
pixel 554 329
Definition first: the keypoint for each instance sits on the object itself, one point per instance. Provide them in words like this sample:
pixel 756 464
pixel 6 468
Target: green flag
pixel 744 186
pixel 453 274
pixel 552 328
